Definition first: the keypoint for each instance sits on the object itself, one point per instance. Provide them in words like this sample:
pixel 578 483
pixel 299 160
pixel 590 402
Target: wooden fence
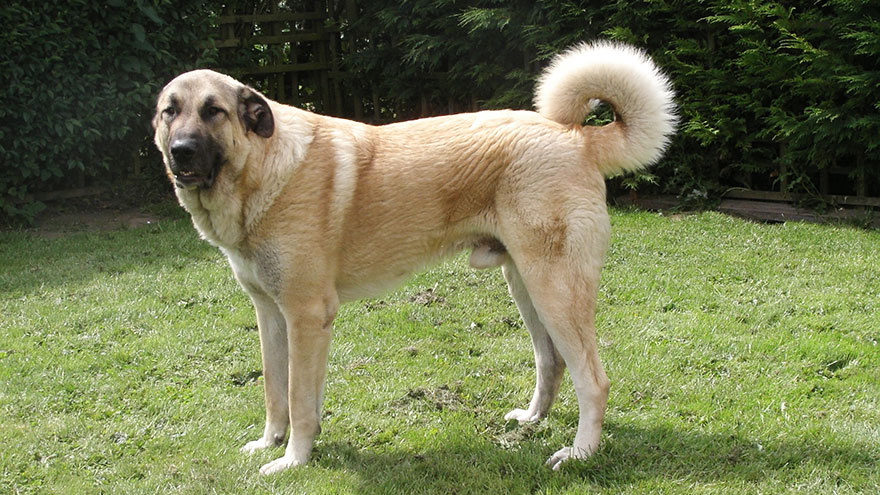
pixel 297 53
pixel 298 57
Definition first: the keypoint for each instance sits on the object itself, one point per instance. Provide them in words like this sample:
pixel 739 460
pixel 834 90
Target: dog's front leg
pixel 308 342
pixel 273 348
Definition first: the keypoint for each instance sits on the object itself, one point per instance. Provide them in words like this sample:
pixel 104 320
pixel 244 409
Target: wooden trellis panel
pixel 287 55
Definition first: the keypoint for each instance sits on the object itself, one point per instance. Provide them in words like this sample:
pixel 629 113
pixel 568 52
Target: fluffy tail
pixel 627 80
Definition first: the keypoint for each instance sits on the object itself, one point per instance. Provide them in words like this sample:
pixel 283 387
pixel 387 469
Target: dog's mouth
pixel 197 179
pixel 186 179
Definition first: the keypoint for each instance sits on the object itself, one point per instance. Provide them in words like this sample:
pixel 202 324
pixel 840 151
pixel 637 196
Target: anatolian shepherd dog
pixel 313 211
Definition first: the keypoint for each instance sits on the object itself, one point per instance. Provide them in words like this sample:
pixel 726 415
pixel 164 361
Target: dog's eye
pixel 169 112
pixel 214 111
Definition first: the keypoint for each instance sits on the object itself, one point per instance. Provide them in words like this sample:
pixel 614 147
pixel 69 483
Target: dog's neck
pixel 217 216
pixel 224 215
pixel 235 204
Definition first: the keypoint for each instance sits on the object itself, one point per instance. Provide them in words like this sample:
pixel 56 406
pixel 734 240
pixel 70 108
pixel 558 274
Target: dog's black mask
pixel 194 160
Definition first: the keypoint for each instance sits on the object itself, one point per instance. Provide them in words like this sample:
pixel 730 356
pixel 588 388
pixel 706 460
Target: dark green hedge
pixel 79 78
pixel 773 94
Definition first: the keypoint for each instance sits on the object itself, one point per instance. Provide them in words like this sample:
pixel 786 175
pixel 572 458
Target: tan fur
pixel 326 210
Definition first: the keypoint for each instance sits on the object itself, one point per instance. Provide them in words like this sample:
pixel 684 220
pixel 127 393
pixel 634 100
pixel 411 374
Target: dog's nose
pixel 183 149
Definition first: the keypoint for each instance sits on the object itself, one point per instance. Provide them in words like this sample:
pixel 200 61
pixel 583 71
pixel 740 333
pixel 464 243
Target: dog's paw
pixel 262 443
pixel 280 464
pixel 555 461
pixel 522 416
pixel 564 454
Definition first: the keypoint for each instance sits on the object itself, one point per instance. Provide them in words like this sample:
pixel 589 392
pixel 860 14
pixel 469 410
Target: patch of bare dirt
pixel 127 204
pixel 55 224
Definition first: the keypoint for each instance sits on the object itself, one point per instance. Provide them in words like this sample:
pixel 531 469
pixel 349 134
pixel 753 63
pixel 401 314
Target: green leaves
pixel 762 86
pixel 475 19
pixel 754 79
pixel 79 80
pixel 150 13
pixel 139 33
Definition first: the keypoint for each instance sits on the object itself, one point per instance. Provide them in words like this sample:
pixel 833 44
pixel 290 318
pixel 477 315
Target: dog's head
pixel 201 117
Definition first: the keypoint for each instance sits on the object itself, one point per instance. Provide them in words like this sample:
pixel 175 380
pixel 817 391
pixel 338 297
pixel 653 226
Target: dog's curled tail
pixel 627 80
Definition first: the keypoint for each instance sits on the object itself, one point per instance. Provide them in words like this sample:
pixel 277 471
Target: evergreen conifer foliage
pixel 773 95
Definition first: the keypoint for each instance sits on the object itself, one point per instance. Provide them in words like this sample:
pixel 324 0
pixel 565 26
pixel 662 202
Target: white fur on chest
pixel 249 273
pixel 218 221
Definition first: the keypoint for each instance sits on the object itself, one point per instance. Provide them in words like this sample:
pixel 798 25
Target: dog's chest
pixel 257 270
pixel 220 224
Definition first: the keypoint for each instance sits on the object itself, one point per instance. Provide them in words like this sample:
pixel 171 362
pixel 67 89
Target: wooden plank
pixel 861 176
pixel 783 212
pixel 275 69
pixel 276 81
pixel 339 75
pixel 766 211
pixel 788 197
pixel 294 77
pixel 272 40
pixel 279 17
pixel 757 195
pixel 321 50
pixel 351 14
pixel 763 211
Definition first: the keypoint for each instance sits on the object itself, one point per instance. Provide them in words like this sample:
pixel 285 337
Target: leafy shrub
pixel 771 94
pixel 79 79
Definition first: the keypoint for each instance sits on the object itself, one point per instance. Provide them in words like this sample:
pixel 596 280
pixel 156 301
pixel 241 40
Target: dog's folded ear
pixel 255 112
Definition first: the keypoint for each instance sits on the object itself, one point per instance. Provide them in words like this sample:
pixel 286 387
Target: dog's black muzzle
pixel 194 161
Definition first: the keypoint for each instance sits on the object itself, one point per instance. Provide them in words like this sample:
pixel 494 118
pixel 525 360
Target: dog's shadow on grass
pixel 628 456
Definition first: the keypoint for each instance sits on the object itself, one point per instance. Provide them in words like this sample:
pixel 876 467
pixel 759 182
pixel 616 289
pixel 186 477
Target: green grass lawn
pixel 744 358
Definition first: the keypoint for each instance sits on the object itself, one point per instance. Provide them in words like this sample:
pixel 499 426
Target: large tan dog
pixel 313 211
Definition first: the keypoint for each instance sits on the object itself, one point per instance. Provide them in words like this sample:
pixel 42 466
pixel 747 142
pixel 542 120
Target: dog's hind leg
pixel 565 301
pixel 559 256
pixel 549 365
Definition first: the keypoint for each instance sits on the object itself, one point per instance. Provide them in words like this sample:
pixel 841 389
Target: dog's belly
pixel 366 274
pixel 354 289
pixel 378 272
